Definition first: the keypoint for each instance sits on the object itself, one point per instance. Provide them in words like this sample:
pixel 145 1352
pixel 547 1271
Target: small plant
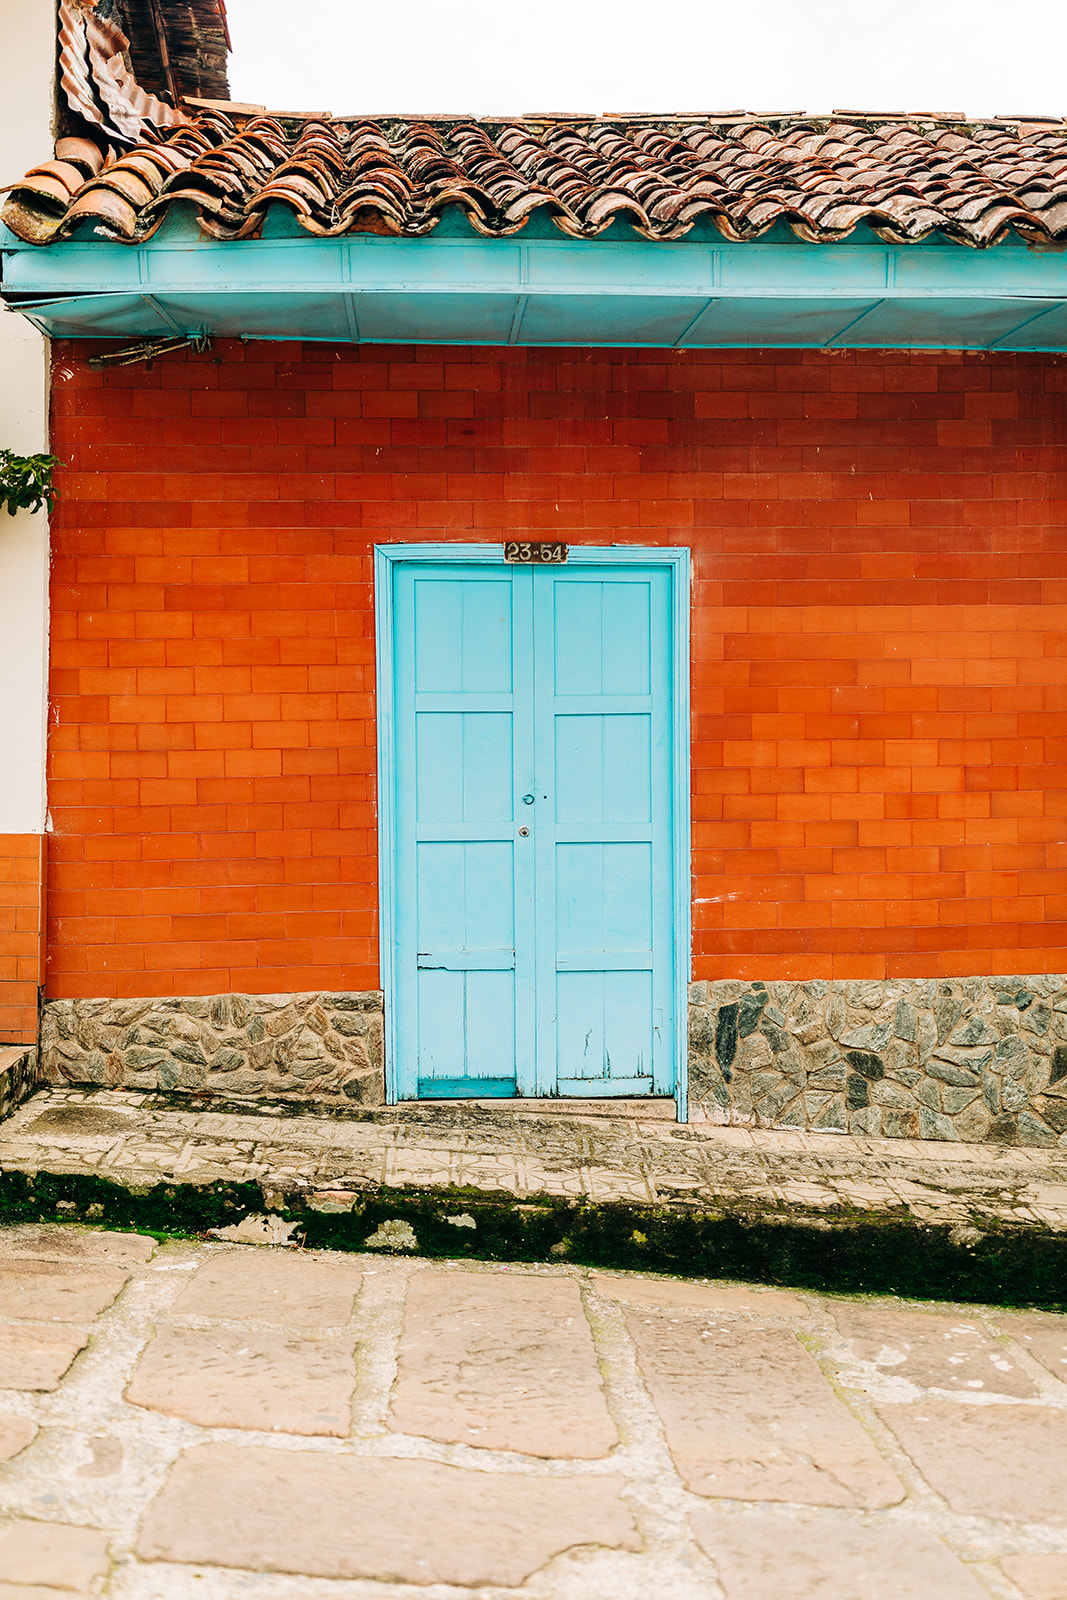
pixel 26 482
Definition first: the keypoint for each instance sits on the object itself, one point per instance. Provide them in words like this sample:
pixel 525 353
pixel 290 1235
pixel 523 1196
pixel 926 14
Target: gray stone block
pixel 1037 1018
pixel 832 1116
pixel 1033 1131
pixel 1013 1095
pixel 872 1037
pixel 905 1021
pixel 900 1124
pixel 866 1123
pixel 949 1073
pixel 974 1031
pixel 1053 1112
pixel 892 1095
pixel 932 1125
pixel 954 1100
pixel 972 1123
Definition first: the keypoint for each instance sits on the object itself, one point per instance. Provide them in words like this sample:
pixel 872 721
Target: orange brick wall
pixel 879 642
pixel 21 859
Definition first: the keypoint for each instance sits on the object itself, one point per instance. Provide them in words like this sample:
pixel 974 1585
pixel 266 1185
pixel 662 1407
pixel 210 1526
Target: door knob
pixel 527 799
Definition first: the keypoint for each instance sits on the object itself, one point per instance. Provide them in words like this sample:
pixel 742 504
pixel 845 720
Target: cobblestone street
pixel 239 1421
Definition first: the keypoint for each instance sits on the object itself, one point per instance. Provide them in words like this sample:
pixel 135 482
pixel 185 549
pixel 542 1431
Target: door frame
pixel 674 558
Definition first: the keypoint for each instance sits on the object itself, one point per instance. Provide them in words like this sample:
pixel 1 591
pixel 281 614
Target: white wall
pixel 26 76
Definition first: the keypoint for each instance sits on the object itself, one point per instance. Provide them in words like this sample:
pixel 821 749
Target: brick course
pixel 879 664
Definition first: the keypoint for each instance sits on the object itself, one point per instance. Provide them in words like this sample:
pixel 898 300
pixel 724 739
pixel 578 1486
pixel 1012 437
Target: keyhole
pixel 524 833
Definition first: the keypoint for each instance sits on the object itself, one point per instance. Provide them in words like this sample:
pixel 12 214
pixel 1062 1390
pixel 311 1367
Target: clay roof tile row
pixel 823 178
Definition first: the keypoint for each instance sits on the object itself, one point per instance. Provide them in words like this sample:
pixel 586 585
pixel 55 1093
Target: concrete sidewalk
pixel 230 1421
pixel 630 1152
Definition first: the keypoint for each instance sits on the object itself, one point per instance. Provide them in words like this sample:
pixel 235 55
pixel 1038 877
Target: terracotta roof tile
pixel 822 177
pixel 97 85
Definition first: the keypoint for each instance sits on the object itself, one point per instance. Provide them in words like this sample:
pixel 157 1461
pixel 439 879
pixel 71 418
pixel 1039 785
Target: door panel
pixel 463 766
pixel 603 769
pixel 602 714
pixel 601 627
pixel 603 899
pixel 534 830
pixel 605 1032
pixel 463 639
pixel 465 897
pixel 464 1023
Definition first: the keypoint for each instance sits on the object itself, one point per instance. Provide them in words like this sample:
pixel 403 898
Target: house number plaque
pixel 535 550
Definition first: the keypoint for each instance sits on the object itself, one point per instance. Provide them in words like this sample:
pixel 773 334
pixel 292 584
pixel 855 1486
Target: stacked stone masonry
pixel 978 1059
pixel 311 1047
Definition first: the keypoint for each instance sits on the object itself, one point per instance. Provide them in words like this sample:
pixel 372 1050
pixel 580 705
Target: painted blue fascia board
pixel 463 290
pixel 678 560
pixel 370 263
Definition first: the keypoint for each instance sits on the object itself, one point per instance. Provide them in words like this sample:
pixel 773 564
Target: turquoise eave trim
pixel 774 292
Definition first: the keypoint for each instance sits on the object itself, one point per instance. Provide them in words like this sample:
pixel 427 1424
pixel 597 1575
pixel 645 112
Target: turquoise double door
pixel 530 871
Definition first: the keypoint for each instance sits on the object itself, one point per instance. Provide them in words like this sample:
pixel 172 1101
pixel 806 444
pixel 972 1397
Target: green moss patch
pixel 846 1253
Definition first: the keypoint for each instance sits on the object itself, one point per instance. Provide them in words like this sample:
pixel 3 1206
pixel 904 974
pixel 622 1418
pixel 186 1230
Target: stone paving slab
pixel 225 1378
pixel 36 1356
pixel 51 1555
pixel 37 1591
pixel 502 1363
pixel 15 1434
pixel 1045 1338
pixel 767 1426
pixel 756 1448
pixel 1039 1577
pixel 57 1291
pixel 669 1293
pixel 983 1459
pixel 778 1558
pixel 314 1291
pixel 530 1152
pixel 931 1351
pixel 45 1243
pixel 418 1522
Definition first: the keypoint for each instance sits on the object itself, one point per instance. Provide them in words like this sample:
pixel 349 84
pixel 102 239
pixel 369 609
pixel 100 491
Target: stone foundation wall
pixel 976 1059
pixel 320 1047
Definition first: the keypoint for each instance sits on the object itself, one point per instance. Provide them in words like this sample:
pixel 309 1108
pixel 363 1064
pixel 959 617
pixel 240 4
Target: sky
pixel 484 57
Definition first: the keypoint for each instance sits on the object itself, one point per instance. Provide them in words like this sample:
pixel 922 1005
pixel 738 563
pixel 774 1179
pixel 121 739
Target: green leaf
pixel 26 482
